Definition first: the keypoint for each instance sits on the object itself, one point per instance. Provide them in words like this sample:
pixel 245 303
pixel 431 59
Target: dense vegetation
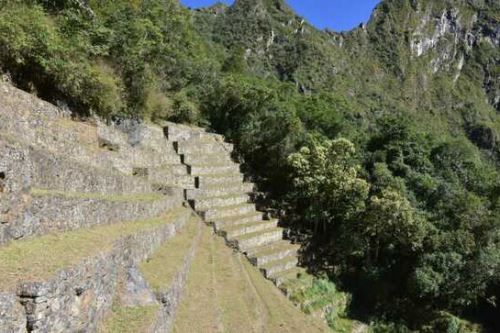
pixel 381 154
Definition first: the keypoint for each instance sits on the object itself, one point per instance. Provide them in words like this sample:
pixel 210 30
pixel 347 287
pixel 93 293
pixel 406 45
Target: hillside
pixel 377 149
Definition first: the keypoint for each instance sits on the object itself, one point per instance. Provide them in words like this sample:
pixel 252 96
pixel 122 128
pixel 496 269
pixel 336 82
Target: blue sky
pixel 338 15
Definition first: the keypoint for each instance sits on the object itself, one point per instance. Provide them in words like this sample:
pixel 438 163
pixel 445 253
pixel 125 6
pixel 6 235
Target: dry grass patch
pixel 41 258
pixel 225 293
pixel 161 269
pixel 283 316
pixel 86 131
pixel 130 319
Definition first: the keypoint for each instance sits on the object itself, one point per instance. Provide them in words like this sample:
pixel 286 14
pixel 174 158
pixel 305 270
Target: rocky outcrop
pixel 444 39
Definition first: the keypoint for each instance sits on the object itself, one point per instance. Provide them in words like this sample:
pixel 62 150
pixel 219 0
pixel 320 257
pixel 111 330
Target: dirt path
pixel 261 306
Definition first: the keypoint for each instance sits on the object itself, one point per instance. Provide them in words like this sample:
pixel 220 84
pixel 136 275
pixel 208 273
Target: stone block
pixel 208 203
pixel 215 214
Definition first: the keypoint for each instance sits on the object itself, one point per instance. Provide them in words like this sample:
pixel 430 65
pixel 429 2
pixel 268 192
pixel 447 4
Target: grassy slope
pixel 227 294
pixel 160 270
pixel 21 260
pixel 130 320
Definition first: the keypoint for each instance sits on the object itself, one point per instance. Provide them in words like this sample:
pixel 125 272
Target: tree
pixel 326 181
pixel 392 226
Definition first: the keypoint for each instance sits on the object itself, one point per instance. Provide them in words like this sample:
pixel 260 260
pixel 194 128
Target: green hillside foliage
pixel 383 160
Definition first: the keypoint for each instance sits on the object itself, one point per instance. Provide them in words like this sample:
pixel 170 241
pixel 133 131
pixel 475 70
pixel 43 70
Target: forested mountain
pixel 378 147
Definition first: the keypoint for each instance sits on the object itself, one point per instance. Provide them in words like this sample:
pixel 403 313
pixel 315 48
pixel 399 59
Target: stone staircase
pixel 221 198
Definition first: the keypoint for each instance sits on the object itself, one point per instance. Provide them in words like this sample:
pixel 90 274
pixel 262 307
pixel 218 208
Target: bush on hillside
pixel 39 58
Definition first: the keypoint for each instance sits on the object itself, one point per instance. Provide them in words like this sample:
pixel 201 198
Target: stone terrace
pixel 77 224
pixel 99 223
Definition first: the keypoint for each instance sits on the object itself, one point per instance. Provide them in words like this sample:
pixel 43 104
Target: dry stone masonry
pixel 221 198
pixel 76 224
pixel 99 222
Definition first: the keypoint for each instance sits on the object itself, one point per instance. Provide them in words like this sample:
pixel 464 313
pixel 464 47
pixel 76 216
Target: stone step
pixel 202 137
pixel 230 221
pixel 216 169
pixel 45 211
pixel 248 241
pixel 178 169
pixel 187 147
pixel 208 203
pixel 284 277
pixel 185 182
pixel 249 228
pixel 179 132
pixel 221 180
pixel 275 251
pixel 220 213
pixel 217 191
pixel 297 282
pixel 74 273
pixel 206 159
pixel 277 266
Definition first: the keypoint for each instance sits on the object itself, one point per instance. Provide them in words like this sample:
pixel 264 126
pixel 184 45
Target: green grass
pixel 318 295
pixel 139 197
pixel 161 269
pixel 41 258
pixel 296 279
pixel 130 320
pixel 314 295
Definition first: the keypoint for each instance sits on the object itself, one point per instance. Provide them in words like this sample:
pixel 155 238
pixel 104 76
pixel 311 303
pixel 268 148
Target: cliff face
pixel 444 37
pixel 433 38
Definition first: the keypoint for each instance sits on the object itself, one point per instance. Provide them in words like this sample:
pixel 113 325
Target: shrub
pixel 40 59
pixel 184 110
pixel 326 180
